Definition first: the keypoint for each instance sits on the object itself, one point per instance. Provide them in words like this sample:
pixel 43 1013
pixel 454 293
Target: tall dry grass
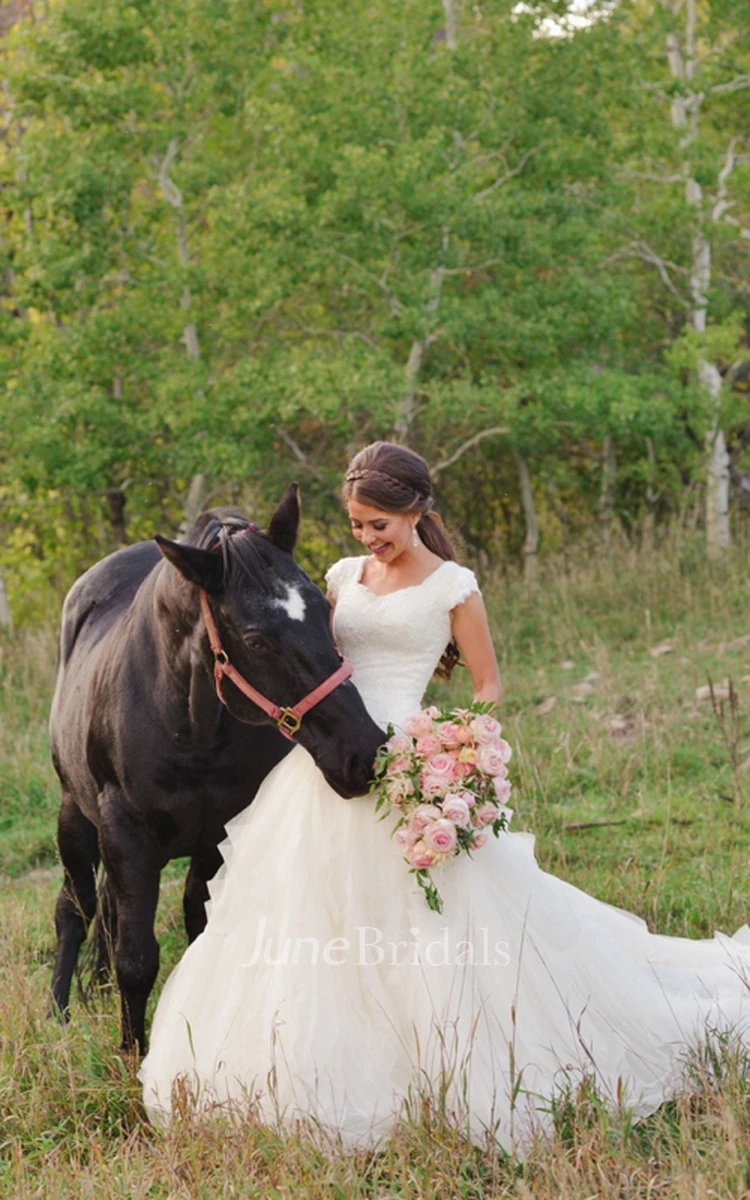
pixel 627 783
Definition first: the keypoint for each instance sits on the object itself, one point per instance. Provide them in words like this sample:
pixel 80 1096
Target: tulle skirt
pixel 323 989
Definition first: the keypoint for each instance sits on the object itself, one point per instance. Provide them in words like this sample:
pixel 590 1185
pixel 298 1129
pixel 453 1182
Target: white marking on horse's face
pixel 294 605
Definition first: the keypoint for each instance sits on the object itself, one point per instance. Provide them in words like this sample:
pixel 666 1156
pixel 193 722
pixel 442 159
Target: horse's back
pixel 103 594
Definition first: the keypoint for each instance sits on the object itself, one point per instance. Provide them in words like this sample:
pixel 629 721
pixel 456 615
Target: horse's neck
pixel 204 704
pixel 181 643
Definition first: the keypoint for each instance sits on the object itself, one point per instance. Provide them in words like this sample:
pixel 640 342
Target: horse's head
pixel 273 625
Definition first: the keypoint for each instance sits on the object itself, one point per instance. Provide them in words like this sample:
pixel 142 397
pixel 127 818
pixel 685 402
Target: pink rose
pixel 398 745
pixel 433 785
pixel 461 770
pixel 464 735
pixel 404 838
pixel 485 728
pixel 428 745
pixel 420 856
pixel 398 789
pixel 440 765
pixel 398 765
pixel 456 809
pixel 502 789
pixel 418 725
pixel 468 797
pixel 485 814
pixel 440 836
pixel 504 749
pixel 490 760
pixel 422 815
pixel 479 840
pixel 448 733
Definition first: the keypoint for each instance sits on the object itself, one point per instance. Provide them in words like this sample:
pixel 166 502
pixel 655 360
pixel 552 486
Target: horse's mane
pixel 244 547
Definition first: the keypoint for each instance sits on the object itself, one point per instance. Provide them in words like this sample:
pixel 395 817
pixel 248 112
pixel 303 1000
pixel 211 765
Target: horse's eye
pixel 255 641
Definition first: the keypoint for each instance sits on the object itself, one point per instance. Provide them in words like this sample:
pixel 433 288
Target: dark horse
pixel 152 763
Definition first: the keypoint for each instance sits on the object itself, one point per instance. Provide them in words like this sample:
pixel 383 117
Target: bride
pixel 323 989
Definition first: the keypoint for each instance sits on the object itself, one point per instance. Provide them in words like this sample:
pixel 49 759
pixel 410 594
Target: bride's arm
pixel 472 634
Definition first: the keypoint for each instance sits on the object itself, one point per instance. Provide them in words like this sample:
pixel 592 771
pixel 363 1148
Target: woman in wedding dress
pixel 324 990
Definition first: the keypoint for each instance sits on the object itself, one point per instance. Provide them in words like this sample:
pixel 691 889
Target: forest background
pixel 241 240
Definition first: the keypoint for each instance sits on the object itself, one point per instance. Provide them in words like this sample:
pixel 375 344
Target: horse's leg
pixel 202 868
pixel 132 860
pixel 76 902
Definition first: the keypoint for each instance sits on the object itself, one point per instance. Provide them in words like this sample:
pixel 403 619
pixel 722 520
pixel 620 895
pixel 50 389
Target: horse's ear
pixel 201 567
pixel 282 528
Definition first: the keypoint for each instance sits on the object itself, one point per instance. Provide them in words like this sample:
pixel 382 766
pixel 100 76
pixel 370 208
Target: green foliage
pixel 230 228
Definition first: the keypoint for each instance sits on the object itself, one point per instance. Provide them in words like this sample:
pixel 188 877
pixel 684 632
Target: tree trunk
pixel 173 197
pixel 405 415
pixel 194 503
pixel 116 510
pixel 6 621
pixel 449 9
pixel 607 493
pixel 531 541
pixel 684 111
pixel 717 495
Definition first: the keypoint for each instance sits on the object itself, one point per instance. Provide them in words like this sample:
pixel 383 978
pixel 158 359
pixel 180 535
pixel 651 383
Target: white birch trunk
pixel 173 197
pixel 406 409
pixel 451 38
pixel 194 503
pixel 531 541
pixel 684 113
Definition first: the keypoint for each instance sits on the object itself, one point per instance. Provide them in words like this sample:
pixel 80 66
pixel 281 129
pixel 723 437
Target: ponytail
pixel 432 532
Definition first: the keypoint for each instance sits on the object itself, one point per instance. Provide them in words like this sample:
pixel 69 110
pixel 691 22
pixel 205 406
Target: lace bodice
pixel 394 642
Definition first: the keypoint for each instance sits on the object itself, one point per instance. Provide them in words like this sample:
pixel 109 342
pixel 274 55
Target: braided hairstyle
pixel 395 479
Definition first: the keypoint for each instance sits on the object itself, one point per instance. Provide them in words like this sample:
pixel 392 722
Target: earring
pixel 414 536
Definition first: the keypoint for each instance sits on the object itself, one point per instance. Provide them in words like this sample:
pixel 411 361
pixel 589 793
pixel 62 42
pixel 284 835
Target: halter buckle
pixel 288 722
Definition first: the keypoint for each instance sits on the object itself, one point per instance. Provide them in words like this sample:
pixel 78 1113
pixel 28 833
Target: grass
pixel 627 783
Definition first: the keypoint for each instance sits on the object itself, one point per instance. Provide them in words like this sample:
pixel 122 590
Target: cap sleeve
pixel 340 573
pixel 457 584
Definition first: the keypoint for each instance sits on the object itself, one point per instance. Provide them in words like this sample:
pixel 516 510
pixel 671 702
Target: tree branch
pixel 169 190
pixel 508 174
pixel 302 458
pixel 394 305
pixel 337 334
pixel 467 445
pixel 624 173
pixel 734 85
pixel 643 251
pixel 491 262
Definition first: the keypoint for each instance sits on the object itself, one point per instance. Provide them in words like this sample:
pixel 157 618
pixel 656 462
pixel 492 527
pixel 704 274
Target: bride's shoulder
pixel 342 572
pixel 456 584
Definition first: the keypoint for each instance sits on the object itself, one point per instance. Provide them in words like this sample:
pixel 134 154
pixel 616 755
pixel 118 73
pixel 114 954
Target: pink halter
pixel 288 720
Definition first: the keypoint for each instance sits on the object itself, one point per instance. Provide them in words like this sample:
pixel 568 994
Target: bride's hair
pixel 395 479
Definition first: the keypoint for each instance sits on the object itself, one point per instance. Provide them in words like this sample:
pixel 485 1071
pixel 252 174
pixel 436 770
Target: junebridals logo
pixel 369 948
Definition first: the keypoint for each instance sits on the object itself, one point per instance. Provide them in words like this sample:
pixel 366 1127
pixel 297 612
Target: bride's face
pixel 385 535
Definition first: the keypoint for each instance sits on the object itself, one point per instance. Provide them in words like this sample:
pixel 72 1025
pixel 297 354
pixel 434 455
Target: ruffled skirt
pixel 324 989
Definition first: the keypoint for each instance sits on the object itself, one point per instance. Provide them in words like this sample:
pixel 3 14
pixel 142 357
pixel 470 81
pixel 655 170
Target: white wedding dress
pixel 324 989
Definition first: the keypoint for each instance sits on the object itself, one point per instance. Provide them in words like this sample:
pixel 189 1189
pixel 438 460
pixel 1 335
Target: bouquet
pixel 446 779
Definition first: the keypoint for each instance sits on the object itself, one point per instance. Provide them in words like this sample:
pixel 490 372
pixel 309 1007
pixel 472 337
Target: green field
pixel 636 790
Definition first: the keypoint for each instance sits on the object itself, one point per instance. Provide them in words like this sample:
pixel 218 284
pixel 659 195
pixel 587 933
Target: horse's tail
pixel 96 963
